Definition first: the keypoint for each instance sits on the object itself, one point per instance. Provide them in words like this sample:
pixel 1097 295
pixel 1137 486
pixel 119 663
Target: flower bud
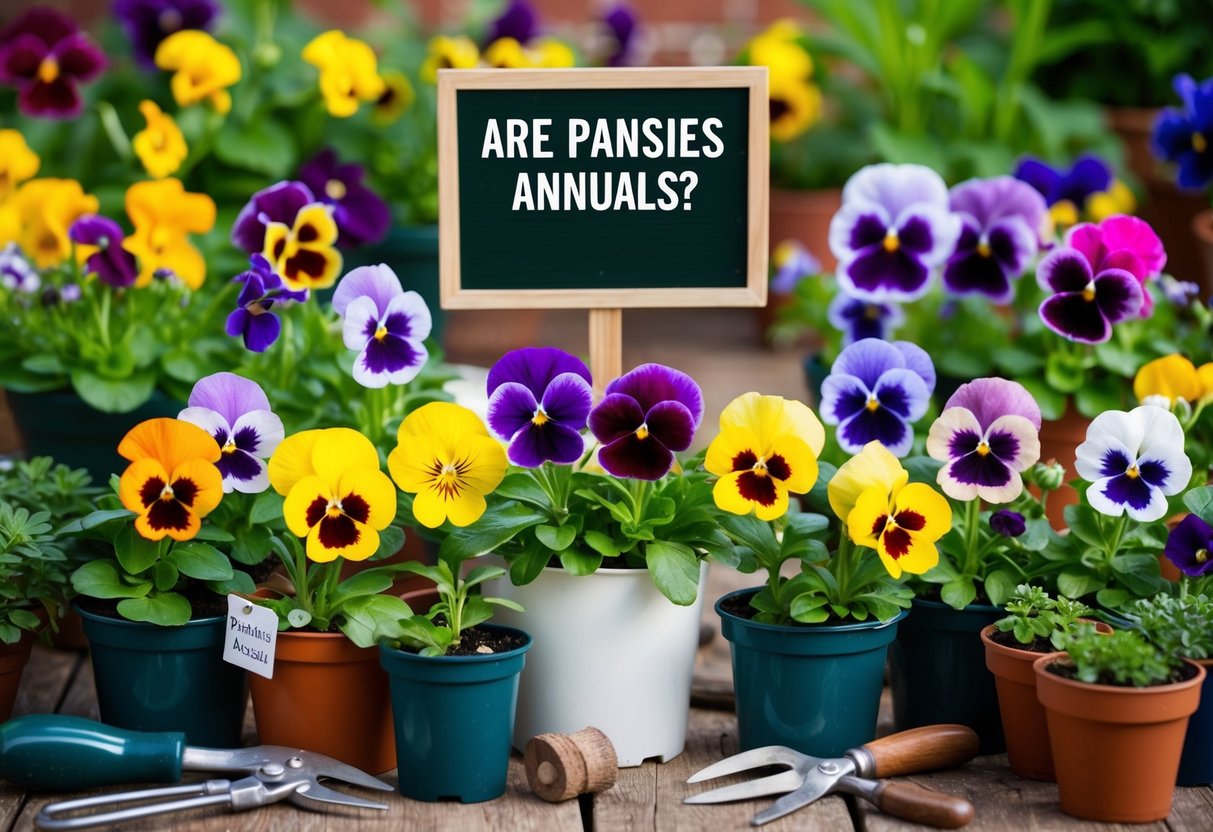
pixel 1048 477
pixel 1008 523
pixel 267 55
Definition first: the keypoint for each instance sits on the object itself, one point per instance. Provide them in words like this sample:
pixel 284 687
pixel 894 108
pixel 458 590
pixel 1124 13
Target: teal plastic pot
pixel 63 425
pixel 938 671
pixel 453 717
pixel 153 678
pixel 813 688
pixel 1196 764
pixel 412 252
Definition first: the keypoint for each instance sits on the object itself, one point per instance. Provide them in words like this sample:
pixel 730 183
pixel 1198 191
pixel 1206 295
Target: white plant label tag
pixel 252 635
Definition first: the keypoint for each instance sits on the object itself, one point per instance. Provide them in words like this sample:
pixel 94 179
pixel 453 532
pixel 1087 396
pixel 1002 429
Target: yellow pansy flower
pixel 164 214
pixel 341 501
pixel 767 447
pixel 1171 377
pixel 902 525
pixel 203 68
pixel 397 98
pixel 778 50
pixel 507 53
pixel 1117 199
pixel 874 466
pixel 794 107
pixel 449 53
pixel 172 481
pixel 1063 214
pixel 45 209
pixel 17 162
pixel 304 255
pixel 160 146
pixel 349 71
pixel 446 457
pixel 550 53
pixel 1205 374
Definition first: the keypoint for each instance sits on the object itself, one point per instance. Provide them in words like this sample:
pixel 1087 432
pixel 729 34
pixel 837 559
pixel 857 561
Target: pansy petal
pixel 878 275
pixel 390 360
pixel 258 432
pixel 1072 316
pixel 1118 295
pixel 931 512
pixel 340 536
pixel 649 384
pixel 1116 495
pixel 672 424
pixel 360 322
pixel 555 442
pixel 634 458
pixel 728 496
pixel 379 283
pixel 735 448
pixel 449 424
pixel 430 508
pixel 306 503
pixel 292 460
pixel 259 331
pixel 919 361
pixel 170 441
pixel 920 555
pixel 989 398
pixel 568 399
pixel 617 415
pixel 867 360
pixel 534 368
pixel 141 483
pixel 410 462
pixel 210 421
pixel 229 395
pixel 867 519
pixel 880 425
pixel 795 461
pixel 243 472
pixel 511 408
pixel 338 450
pixel 873 466
pixel 904 392
pixel 842 396
pixel 954 422
pixel 1169 474
pixel 1064 270
pixel 207 484
pixel 368 496
pixel 896 187
pixel 408 316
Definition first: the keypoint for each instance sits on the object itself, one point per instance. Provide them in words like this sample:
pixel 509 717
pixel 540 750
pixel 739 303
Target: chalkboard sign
pixel 603 188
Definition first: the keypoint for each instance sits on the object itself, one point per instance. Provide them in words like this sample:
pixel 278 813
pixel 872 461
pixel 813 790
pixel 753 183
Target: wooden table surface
pixel 645 798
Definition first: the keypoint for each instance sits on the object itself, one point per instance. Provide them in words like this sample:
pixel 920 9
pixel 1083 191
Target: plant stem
pixel 972 529
pixel 1118 533
pixel 302 595
pixel 842 571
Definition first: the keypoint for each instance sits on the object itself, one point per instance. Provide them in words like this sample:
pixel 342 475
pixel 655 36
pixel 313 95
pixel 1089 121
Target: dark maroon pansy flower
pixel 645 416
pixel 112 264
pixel 45 57
pixel 148 22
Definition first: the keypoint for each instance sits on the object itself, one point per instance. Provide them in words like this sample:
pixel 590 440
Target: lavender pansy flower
pixel 620 23
pixel 792 263
pixel 1190 547
pixel 252 319
pixel 1008 523
pixel 237 413
pixel 1178 292
pixel 1089 175
pixel 893 230
pixel 1085 304
pixel 1134 461
pixel 277 203
pixel 539 398
pixel 362 217
pixel 988 433
pixel 148 22
pixel 385 324
pixel 1185 136
pixel 16 273
pixel 113 265
pixel 645 417
pixel 45 56
pixel 875 391
pixel 858 319
pixel 1000 219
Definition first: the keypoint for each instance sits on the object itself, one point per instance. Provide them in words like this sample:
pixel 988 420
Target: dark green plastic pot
pixel 938 671
pixel 1196 764
pixel 153 678
pixel 813 688
pixel 412 252
pixel 63 425
pixel 453 717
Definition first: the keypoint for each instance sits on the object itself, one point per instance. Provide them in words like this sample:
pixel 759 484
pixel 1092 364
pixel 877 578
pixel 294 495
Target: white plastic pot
pixel 611 652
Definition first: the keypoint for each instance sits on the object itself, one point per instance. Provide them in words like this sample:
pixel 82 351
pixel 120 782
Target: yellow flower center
pixel 1088 292
pixel 1202 555
pixel 983 448
pixel 257 308
pixel 1199 143
pixel 48 70
pixel 381 333
pixel 167 493
pixel 873 404
pixel 759 468
pixel 333 510
pixel 642 432
pixel 871 312
pixel 447 481
pixel 1064 213
pixel 1132 473
pixel 983 248
pixel 891 241
pixel 230 447
pixel 540 418
pixel 335 189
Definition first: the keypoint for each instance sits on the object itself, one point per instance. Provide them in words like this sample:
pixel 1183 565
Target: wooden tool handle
pixel 919 805
pixel 919 749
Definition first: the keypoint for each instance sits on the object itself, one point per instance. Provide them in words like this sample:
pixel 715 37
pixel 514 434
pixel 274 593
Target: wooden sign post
pixel 603 189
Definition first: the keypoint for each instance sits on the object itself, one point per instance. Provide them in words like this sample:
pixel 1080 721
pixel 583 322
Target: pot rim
pixel 1040 667
pixel 874 624
pixel 991 644
pixel 931 603
pixel 479 658
pixel 193 622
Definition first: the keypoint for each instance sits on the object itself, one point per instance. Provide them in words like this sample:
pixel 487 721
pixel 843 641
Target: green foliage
pixel 1033 614
pixel 1122 658
pixel 1179 625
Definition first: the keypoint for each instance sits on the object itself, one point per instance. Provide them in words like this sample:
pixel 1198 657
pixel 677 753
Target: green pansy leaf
pixel 168 609
pixel 365 615
pixel 556 538
pixel 135 553
pixel 164 575
pixel 579 562
pixel 200 560
pixel 240 583
pixel 675 570
pixel 603 544
pixel 267 507
pixel 958 594
pixel 114 395
pixel 102 579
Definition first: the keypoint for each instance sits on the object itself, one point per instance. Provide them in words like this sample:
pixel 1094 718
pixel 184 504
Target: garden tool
pixel 808 778
pixel 65 753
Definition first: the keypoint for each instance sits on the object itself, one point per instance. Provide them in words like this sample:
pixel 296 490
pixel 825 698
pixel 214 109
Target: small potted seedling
pixel 1036 623
pixel 1117 708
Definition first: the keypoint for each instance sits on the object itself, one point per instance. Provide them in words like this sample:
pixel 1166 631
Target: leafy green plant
pixel 1179 625
pixel 33 571
pixel 1123 658
pixel 1033 614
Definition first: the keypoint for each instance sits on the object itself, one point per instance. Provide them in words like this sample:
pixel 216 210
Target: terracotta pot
pixel 1023 717
pixel 1059 439
pixel 329 696
pixel 13 658
pixel 1202 231
pixel 805 216
pixel 70 635
pixel 1116 749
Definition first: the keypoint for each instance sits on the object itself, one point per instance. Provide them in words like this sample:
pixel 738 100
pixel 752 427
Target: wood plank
pixel 650 797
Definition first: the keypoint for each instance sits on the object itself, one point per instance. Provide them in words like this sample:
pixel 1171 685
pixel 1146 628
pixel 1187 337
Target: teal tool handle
pixel 66 753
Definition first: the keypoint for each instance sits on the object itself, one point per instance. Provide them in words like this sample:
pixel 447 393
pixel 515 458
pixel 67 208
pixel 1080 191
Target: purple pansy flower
pixel 385 324
pixel 893 230
pixel 1185 136
pixel 1085 304
pixel 988 433
pixel 646 415
pixel 113 265
pixel 147 22
pixel 518 21
pixel 1190 547
pixel 362 217
pixel 44 56
pixel 252 319
pixel 857 319
pixel 1178 292
pixel 1008 523
pixel 620 24
pixel 277 203
pixel 1000 219
pixel 1122 242
pixel 1089 175
pixel 539 398
pixel 237 413
pixel 874 392
pixel 792 263
pixel 1134 461
pixel 16 273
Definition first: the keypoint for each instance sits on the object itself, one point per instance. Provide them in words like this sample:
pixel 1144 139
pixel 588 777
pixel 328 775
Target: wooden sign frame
pixel 754 293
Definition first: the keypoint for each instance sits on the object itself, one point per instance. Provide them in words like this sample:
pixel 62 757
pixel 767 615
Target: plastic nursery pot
pixel 1196 764
pixel 13 658
pixel 1023 717
pixel 154 678
pixel 327 695
pixel 938 671
pixel 453 717
pixel 815 688
pixel 63 425
pixel 1116 749
pixel 610 651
